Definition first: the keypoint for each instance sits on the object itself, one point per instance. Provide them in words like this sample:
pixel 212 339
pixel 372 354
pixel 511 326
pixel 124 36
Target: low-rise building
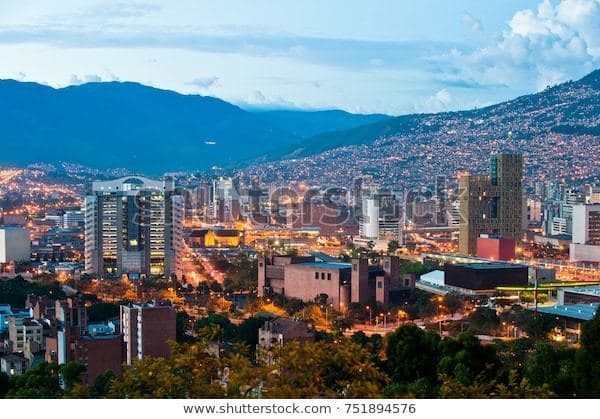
pixel 21 330
pixel 495 248
pixel 13 364
pixel 215 237
pixel 337 283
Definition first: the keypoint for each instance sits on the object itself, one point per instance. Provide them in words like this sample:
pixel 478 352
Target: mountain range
pixel 148 130
pixel 557 130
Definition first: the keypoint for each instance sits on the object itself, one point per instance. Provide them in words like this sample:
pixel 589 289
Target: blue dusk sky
pixel 388 56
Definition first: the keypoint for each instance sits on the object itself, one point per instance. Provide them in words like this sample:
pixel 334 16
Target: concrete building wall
pixel 99 354
pixel 15 244
pixel 307 282
pixel 360 281
pixel 158 328
pixel 584 252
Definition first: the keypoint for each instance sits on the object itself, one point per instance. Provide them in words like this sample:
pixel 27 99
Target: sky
pixel 377 56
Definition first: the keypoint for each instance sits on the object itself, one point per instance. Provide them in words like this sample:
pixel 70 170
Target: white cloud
pixel 204 83
pixel 75 80
pixel 472 22
pixel 549 45
pixel 439 102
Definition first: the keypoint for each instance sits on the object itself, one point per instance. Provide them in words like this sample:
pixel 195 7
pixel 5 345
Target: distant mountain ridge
pixel 149 130
pixel 557 130
pixel 577 115
pixel 305 124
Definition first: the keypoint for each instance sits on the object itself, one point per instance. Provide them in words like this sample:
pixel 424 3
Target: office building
pixel 586 233
pixel 15 244
pixel 73 219
pixel 147 329
pixel 133 226
pixel 492 204
pixel 380 219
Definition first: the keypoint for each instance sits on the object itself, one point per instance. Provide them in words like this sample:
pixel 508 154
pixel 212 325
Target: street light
pixel 370 316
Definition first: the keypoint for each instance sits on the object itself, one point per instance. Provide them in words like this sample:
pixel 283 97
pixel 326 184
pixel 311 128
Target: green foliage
pixel 553 366
pixel 408 342
pixel 5 384
pixel 484 321
pixel 216 324
pixel 393 246
pixel 39 382
pixel 182 320
pixel 537 326
pixel 102 383
pixel 587 366
pixel 14 291
pixel 247 331
pixel 452 303
pixel 410 267
pixel 102 311
pixel 466 360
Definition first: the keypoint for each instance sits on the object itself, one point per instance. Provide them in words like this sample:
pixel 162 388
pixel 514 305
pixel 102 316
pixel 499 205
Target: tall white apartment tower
pixel 134 226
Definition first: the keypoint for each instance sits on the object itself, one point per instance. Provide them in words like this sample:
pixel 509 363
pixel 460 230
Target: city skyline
pixel 390 57
pixel 183 215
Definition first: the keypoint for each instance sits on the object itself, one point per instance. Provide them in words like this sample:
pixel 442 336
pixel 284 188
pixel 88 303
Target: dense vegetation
pixel 409 362
pixel 15 291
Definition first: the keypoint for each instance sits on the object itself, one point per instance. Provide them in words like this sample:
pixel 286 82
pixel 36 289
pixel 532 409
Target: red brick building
pixel 147 329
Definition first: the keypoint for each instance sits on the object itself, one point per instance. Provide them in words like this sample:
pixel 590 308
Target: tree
pixel 102 383
pixel 484 321
pixel 39 382
pixel 247 331
pixel 393 247
pixel 5 384
pixel 218 322
pixel 71 374
pixel 587 364
pixel 553 366
pixel 452 303
pixel 467 361
pixel 325 369
pixel 182 320
pixel 102 311
pixel 192 372
pixel 408 342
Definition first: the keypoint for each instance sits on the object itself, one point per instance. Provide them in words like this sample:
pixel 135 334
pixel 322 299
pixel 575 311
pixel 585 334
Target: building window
pixel 316 275
pixel 379 284
pixel 322 275
pixel 329 277
pixel 387 264
pixel 354 267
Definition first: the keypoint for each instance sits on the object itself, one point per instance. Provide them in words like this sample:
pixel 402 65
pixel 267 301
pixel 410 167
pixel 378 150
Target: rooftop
pixel 595 291
pixel 327 265
pixel 574 311
pixel 492 265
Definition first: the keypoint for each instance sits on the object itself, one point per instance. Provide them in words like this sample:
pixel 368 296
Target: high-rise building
pixel 586 233
pixel 147 329
pixel 380 218
pixel 134 226
pixel 492 204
